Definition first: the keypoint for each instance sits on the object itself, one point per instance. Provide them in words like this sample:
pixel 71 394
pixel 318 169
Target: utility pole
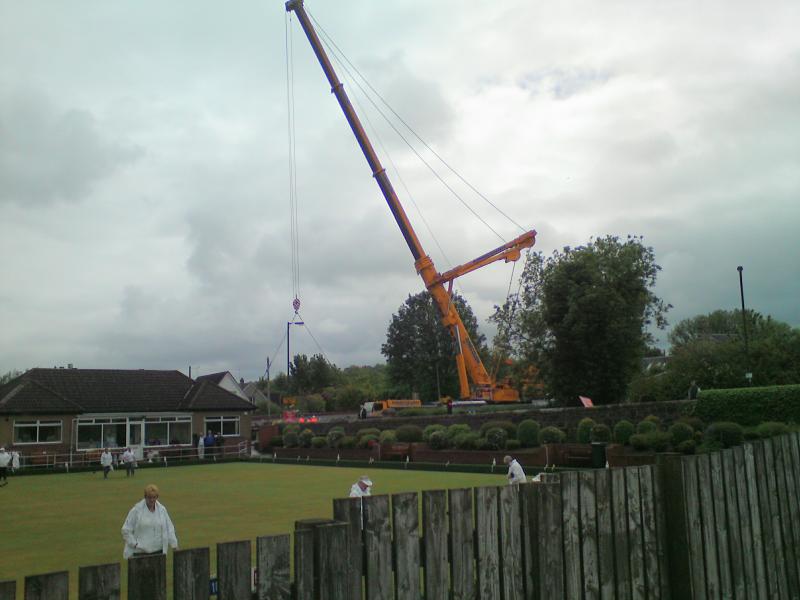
pixel 748 373
pixel 269 397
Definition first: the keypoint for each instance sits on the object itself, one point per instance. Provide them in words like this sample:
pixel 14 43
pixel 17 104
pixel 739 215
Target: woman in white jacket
pixel 148 528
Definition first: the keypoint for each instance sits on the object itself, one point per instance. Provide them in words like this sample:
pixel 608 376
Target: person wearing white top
pixel 129 460
pixel 105 461
pixel 5 458
pixel 361 488
pixel 515 472
pixel 148 528
pixel 14 461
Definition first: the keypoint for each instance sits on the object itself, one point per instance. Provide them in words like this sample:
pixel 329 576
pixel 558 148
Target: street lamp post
pixel 748 374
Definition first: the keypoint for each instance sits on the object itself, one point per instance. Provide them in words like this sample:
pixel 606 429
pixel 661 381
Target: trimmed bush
pixel 409 433
pixel 483 444
pixel 290 439
pixel 455 430
pixel 551 435
pixel 686 447
pixel 601 433
pixel 623 431
pixel 658 441
pixel 725 433
pixel 693 422
pixel 387 437
pixel 653 419
pixel 305 438
pixel 467 441
pixel 513 445
pixel 335 436
pixel 290 427
pixel 497 436
pixel 426 433
pixel 646 427
pixel 368 431
pixel 319 441
pixel 709 446
pixel 508 426
pixel 639 441
pixel 584 435
pixel 438 440
pixel 680 432
pixel 276 441
pixel 771 429
pixel 750 406
pixel 347 442
pixel 528 433
pixel 367 441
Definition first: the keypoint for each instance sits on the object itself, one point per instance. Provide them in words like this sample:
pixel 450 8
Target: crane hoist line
pixel 469 365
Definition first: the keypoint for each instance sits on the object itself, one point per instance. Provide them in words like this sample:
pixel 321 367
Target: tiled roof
pixel 74 391
pixel 212 377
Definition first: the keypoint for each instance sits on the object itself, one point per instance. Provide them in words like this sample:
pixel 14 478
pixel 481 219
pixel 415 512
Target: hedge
pixel 750 406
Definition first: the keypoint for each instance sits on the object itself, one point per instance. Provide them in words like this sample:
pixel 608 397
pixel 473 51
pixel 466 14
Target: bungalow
pixel 64 411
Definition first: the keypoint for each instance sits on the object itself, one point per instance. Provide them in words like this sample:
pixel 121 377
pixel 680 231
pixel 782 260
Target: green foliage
pixel 657 441
pixel 496 436
pixel 507 426
pixel 348 442
pixel 438 440
pixel 276 441
pixel 653 419
pixel 639 441
pixel 387 437
pixel 409 433
pixel 771 429
pixel 750 406
pixel 601 433
pixel 311 376
pixel 484 444
pixel 290 439
pixel 430 429
pixel 585 426
pixel 368 431
pixel 347 397
pixel 312 403
pixel 528 433
pixel 551 435
pixel 419 351
pixel 319 441
pixel 646 427
pixel 467 441
pixel 305 438
pixel 726 433
pixel 582 316
pixel 686 447
pixel 334 436
pixel 454 431
pixel 290 427
pixel 367 441
pixel 513 445
pixel 680 432
pixel 623 431
pixel 694 422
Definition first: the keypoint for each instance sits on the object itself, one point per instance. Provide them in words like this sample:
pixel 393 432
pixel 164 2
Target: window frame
pixel 220 420
pixel 38 424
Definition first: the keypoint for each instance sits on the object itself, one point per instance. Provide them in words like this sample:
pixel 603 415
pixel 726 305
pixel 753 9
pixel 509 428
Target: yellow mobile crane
pixel 470 367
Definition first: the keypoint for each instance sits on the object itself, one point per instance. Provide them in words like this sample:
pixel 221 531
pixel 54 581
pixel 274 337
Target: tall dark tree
pixel 420 352
pixel 582 316
pixel 311 375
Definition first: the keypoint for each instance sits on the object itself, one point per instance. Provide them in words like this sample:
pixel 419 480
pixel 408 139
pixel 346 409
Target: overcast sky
pixel 144 165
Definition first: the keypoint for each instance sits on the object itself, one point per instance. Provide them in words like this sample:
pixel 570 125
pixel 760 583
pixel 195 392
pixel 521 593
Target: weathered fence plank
pixel 694 526
pixel 233 570
pixel 775 520
pixel 605 534
pixel 49 586
pixel 793 487
pixel 588 532
pixel 572 540
pixel 770 557
pixel 619 505
pixel 334 582
pixel 8 590
pixel 462 546
pixel 378 547
pixel 755 521
pixel 530 540
pixel 709 527
pixel 99 582
pixel 733 525
pixel 785 517
pixel 721 525
pixel 551 565
pixel 487 543
pixel 348 510
pixel 304 564
pixel 511 558
pixel 405 524
pixel 635 537
pixel 434 525
pixel 273 558
pixel 738 471
pixel 673 527
pixel 147 577
pixel 191 570
pixel 661 530
pixel 649 533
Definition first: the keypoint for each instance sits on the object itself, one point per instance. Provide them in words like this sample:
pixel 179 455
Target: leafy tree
pixel 8 376
pixel 582 316
pixel 420 353
pixel 311 375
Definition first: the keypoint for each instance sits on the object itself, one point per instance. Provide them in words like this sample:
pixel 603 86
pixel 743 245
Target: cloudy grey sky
pixel 144 206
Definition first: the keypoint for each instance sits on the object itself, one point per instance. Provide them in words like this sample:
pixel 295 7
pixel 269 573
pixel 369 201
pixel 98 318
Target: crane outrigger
pixel 468 362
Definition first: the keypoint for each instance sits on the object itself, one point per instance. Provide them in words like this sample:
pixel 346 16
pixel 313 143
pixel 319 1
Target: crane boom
pixel 467 360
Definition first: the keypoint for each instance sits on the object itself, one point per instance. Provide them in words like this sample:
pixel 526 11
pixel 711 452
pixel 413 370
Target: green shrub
pixel 528 433
pixel 497 436
pixel 483 444
pixel 750 406
pixel 290 427
pixel 507 426
pixel 771 429
pixel 319 441
pixel 467 441
pixel 751 433
pixel 584 434
pixel 276 441
pixel 455 430
pixel 305 438
pixel 387 437
pixel 513 445
pixel 368 431
pixel 639 441
pixel 601 433
pixel 709 446
pixel 694 422
pixel 680 432
pixel 426 433
pixel 686 447
pixel 335 436
pixel 658 441
pixel 290 439
pixel 438 440
pixel 409 433
pixel 366 441
pixel 646 427
pixel 726 433
pixel 653 419
pixel 347 442
pixel 623 431
pixel 551 435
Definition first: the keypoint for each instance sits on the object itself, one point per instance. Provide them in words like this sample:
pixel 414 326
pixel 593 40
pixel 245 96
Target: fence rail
pixel 723 525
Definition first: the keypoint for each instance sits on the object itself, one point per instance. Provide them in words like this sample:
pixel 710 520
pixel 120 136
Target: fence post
pixel 378 545
pixel 488 541
pixel 348 510
pixel 551 561
pixel 8 590
pixel 191 571
pixel 511 531
pixel 619 513
pixel 304 563
pixel 147 577
pixel 405 524
pixel 100 582
pixel 462 543
pixel 233 570
pixel 572 540
pixel 434 524
pixel 272 558
pixel 50 586
pixel 334 582
pixel 530 540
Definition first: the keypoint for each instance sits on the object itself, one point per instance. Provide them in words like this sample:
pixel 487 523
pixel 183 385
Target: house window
pixel 37 432
pixel 167 431
pixel 101 433
pixel 227 426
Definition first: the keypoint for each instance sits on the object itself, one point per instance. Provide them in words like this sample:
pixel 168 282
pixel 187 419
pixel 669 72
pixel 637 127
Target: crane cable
pixel 293 198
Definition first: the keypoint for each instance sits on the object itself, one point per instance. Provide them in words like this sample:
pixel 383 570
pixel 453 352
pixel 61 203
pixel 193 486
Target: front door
pixel 135 438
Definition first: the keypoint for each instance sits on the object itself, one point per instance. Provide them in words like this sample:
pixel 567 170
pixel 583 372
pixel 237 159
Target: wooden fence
pixel 724 525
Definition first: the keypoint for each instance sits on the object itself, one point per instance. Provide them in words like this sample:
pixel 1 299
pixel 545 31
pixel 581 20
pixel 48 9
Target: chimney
pixel 69 366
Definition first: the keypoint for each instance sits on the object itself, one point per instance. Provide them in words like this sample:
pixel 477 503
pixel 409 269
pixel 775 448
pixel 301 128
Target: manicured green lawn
pixel 60 522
